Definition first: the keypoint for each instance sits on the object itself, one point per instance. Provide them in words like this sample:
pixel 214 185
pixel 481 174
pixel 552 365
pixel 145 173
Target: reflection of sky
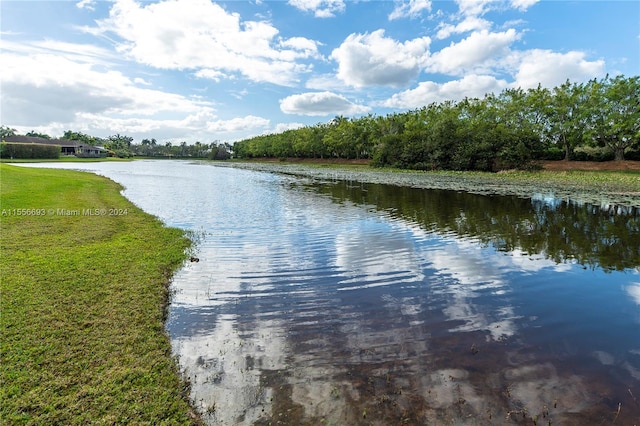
pixel 376 253
pixel 633 290
pixel 224 366
pixel 289 281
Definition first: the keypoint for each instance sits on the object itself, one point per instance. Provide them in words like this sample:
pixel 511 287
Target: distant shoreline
pixel 594 187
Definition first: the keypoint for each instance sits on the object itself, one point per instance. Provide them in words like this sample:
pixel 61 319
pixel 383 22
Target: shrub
pixel 587 153
pixel 553 153
pixel 29 150
pixel 632 155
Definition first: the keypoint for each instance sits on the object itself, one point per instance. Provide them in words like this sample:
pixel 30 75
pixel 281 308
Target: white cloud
pixel 474 7
pixel 320 8
pixel 470 12
pixel 375 60
pixel 202 126
pixel 281 127
pixel 472 52
pixel 319 103
pixel 141 81
pixel 410 9
pixel 72 51
pixel 470 23
pixel 551 69
pixel 301 44
pixel 167 35
pixel 86 4
pixel 523 5
pixel 210 74
pixel 237 124
pixel 472 86
pixel 483 54
pixel 55 91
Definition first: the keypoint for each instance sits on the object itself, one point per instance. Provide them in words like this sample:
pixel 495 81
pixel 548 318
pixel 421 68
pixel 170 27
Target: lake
pixel 332 302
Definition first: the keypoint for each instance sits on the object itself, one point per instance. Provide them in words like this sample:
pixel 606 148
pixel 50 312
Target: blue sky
pixel 199 70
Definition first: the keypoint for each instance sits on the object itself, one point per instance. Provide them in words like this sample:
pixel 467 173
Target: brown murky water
pixel 343 303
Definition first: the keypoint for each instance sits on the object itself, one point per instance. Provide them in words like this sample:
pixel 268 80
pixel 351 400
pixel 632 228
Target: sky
pixel 202 70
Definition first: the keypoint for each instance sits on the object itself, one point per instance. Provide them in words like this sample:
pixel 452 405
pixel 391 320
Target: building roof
pixel 34 139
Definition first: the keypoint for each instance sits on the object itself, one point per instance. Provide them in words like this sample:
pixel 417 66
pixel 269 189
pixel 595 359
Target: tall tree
pixel 81 137
pixel 6 132
pixel 120 144
pixel 567 115
pixel 615 113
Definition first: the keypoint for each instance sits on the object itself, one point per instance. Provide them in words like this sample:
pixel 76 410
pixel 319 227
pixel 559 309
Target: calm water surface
pixel 344 303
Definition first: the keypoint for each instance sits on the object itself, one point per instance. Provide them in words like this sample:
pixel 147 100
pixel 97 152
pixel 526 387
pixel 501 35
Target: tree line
pixel 596 120
pixel 123 146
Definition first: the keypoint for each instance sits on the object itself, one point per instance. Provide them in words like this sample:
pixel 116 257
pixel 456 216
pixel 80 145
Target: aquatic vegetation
pixel 606 188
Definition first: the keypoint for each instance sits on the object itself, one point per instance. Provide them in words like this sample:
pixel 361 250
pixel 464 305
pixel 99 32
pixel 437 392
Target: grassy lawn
pixel 82 304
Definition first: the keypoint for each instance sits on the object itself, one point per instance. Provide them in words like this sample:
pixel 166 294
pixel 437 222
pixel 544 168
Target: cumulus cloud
pixel 319 103
pixel 472 52
pixel 428 91
pixel 281 127
pixel 201 126
pixel 551 69
pixel 210 74
pixel 523 5
pixel 237 124
pixel 528 69
pixel 410 9
pixel 48 87
pixel 375 60
pixel 320 8
pixel 474 7
pixel 167 35
pixel 53 92
pixel 86 4
pixel 470 12
pixel 470 23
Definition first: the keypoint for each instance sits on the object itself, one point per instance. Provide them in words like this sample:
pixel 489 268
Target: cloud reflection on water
pixel 309 306
pixel 306 336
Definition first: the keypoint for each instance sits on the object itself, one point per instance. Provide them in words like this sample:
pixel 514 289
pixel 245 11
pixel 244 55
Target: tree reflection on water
pixel 372 304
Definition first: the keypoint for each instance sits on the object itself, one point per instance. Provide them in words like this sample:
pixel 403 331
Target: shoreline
pixel 598 188
pixel 85 287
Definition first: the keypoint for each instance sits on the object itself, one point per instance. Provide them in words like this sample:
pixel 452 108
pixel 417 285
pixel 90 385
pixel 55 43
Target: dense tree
pixel 82 137
pixel 501 131
pixel 596 120
pixel 614 118
pixel 148 148
pixel 567 116
pixel 120 145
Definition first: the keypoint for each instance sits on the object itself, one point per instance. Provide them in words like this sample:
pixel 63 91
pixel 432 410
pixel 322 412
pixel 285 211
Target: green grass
pixel 605 180
pixel 82 305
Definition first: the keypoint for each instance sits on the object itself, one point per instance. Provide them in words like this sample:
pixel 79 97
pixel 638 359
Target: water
pixel 344 303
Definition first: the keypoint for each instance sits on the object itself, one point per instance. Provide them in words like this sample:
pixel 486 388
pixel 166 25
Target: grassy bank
pixel 84 286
